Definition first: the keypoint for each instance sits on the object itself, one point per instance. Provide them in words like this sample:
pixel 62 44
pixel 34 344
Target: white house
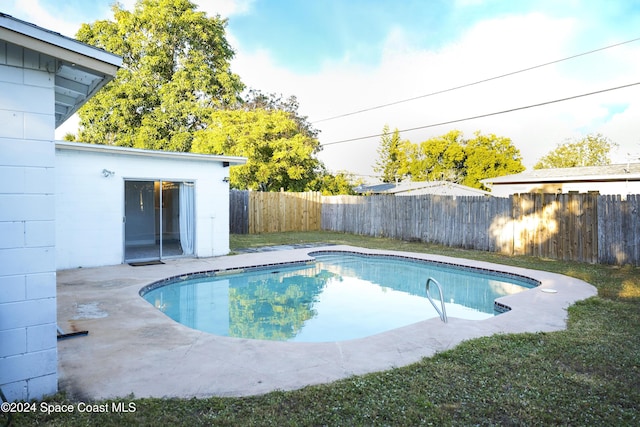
pixel 65 205
pixel 116 205
pixel 620 179
pixel 44 79
pixel 416 188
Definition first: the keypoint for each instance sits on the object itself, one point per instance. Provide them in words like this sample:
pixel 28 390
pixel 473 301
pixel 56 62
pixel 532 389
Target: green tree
pixel 453 158
pixel 279 155
pixel 330 185
pixel 592 150
pixel 389 160
pixel 175 70
pixel 256 99
pixel 438 158
pixel 489 156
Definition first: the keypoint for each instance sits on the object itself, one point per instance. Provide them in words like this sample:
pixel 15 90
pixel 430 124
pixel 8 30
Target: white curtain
pixel 187 226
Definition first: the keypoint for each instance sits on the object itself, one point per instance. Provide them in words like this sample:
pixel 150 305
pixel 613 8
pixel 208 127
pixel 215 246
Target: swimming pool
pixel 138 349
pixel 340 296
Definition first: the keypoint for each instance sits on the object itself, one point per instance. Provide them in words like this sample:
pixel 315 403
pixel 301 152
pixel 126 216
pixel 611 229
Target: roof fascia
pixel 107 149
pixel 593 178
pixel 65 50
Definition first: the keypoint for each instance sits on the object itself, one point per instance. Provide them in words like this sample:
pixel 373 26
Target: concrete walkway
pixel 134 348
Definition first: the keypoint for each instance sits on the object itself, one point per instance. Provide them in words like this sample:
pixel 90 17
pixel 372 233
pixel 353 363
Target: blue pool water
pixel 339 297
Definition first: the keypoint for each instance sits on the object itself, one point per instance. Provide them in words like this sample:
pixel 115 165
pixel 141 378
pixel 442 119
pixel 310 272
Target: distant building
pixel 415 188
pixel 620 179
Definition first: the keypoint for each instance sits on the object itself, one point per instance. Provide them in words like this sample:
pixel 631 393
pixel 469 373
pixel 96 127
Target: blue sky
pixel 339 56
pixel 303 34
pixel 309 33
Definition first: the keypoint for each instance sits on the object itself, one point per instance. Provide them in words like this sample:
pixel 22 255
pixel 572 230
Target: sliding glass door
pixel 159 220
pixel 141 240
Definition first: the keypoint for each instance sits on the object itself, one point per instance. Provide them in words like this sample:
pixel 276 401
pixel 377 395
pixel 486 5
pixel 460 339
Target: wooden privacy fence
pixel 577 227
pixel 619 230
pixel 461 221
pixel 558 226
pixel 572 227
pixel 270 212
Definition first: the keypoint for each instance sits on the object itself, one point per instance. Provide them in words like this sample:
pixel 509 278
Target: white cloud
pixel 33 12
pixel 490 48
pixel 623 128
pixel 466 3
pixel 67 18
pixel 224 8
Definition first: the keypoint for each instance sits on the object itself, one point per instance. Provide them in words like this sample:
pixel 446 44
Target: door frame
pixel 158 219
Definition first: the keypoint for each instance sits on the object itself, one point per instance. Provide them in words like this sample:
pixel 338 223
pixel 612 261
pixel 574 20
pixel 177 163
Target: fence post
pixel 578 227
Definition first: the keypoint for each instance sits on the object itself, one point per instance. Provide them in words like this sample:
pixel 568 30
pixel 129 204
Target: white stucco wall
pixel 28 348
pixel 90 207
pixel 614 187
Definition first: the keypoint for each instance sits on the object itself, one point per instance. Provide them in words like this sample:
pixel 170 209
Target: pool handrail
pixel 443 312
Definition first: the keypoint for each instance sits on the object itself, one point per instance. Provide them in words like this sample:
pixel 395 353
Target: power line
pixel 473 83
pixel 487 115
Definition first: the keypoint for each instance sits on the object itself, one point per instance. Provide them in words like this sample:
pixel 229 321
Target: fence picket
pixel 578 227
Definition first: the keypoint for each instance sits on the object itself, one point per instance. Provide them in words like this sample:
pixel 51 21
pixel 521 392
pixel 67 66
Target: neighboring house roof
pixel 617 172
pixel 110 149
pixel 80 70
pixel 412 188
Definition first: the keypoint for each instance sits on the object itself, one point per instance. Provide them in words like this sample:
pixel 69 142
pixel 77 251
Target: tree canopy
pixel 331 184
pixel 280 144
pixel 279 156
pixel 175 70
pixel 438 158
pixel 256 99
pixel 176 92
pixel 389 160
pixel 592 150
pixel 489 156
pixel 451 157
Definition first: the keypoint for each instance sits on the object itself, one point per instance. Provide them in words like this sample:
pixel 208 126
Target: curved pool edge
pixel 135 348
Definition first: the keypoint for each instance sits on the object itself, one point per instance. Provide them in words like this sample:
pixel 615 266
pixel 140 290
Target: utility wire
pixel 473 83
pixel 488 114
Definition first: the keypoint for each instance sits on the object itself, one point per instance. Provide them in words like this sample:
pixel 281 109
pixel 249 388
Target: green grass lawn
pixel 587 375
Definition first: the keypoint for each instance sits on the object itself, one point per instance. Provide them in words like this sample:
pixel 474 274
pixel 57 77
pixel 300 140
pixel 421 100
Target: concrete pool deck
pixel 133 348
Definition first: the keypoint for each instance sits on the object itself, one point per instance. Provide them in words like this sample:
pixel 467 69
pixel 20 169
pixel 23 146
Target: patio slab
pixel 133 348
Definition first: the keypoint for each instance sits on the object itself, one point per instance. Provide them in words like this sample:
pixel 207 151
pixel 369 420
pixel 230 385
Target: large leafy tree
pixel 175 71
pixel 333 184
pixel 279 155
pixel 279 143
pixel 592 150
pixel 176 92
pixel 453 158
pixel 489 156
pixel 438 158
pixel 256 99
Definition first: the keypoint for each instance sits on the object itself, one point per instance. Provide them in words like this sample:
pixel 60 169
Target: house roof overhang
pixel 109 149
pixel 80 70
pixel 610 173
pixel 422 187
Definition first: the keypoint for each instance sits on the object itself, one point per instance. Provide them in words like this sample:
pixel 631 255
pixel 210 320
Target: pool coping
pixel 133 348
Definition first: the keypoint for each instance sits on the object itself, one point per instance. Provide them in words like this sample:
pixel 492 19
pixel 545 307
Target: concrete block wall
pixel 28 348
pixel 90 206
